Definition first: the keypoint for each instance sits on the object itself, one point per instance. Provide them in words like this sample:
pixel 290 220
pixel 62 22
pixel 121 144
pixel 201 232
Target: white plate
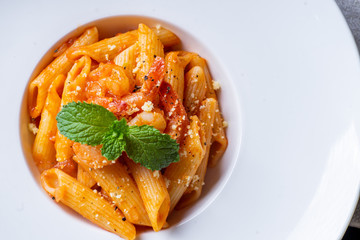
pixel 290 80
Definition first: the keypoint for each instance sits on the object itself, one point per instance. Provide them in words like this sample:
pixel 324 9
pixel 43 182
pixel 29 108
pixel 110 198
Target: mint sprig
pixel 94 125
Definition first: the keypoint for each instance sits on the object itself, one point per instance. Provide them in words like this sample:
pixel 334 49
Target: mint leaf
pixel 94 125
pixel 152 149
pixel 114 140
pixel 84 123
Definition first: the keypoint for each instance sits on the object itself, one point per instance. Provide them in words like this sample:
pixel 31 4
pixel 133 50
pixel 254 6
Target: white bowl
pixel 290 91
pixel 216 177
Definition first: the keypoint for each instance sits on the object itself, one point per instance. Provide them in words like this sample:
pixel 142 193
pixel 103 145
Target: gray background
pixel 351 11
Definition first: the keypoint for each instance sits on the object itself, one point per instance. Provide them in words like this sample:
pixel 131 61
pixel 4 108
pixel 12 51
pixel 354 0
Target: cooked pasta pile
pixel 136 77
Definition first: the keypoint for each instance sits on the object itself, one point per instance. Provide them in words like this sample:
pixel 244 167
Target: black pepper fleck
pixel 124 219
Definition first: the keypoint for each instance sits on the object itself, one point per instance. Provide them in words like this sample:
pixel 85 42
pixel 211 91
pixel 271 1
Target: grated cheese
pixel 188 181
pixel 167 182
pixel 32 127
pixel 148 106
pixel 225 124
pixel 111 47
pixel 216 85
pixel 156 174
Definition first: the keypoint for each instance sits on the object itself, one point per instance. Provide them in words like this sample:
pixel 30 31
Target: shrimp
pixel 113 104
pixel 177 120
pixel 132 103
pixel 155 119
pixel 108 80
pixel 150 87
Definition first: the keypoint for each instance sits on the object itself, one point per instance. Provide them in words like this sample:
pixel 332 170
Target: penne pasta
pixel 83 200
pixel 74 84
pixel 105 50
pixel 207 118
pixel 167 37
pixel 85 178
pixel 201 62
pixel 115 180
pixel 195 89
pixel 219 140
pixel 63 47
pixel 150 47
pixel 38 88
pixel 153 192
pixel 127 60
pixel 109 48
pixel 43 148
pixel 180 174
pixel 175 65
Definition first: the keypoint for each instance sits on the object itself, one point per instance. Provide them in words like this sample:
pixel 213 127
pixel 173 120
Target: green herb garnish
pixel 94 125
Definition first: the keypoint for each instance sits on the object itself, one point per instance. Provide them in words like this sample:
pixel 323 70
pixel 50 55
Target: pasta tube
pixel 153 192
pixel 74 85
pixel 150 47
pixel 83 200
pixel 195 89
pixel 109 48
pixel 38 88
pixel 115 180
pixel 181 173
pixel 43 148
pixel 175 63
pixel 207 118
